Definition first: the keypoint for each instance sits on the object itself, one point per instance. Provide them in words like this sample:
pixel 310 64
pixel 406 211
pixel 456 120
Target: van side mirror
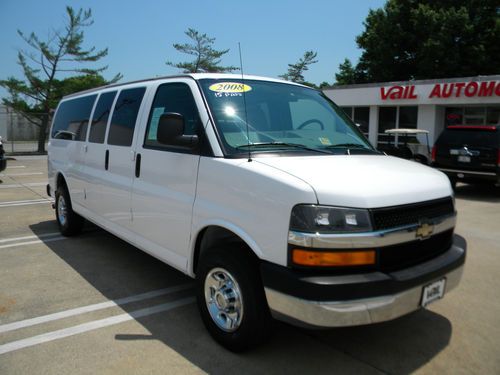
pixel 171 131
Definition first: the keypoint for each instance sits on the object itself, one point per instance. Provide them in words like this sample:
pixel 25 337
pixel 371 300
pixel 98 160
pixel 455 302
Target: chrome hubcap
pixel 61 210
pixel 223 299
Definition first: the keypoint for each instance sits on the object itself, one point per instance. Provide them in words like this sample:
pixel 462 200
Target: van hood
pixel 364 181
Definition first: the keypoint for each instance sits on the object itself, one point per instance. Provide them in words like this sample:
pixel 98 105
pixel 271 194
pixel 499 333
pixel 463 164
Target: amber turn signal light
pixel 330 259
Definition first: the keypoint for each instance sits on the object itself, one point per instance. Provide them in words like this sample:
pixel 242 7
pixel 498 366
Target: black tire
pixel 69 222
pixel 255 325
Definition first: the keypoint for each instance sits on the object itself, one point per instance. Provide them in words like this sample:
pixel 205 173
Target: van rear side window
pixel 121 131
pixel 72 119
pixel 100 118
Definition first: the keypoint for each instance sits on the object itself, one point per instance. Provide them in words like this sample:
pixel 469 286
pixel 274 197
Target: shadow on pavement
pixel 117 269
pixel 482 193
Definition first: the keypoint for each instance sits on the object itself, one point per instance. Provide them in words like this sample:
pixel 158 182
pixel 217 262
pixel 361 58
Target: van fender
pixel 238 231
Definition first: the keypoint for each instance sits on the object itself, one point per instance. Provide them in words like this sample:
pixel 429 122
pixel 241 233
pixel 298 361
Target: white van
pixel 262 190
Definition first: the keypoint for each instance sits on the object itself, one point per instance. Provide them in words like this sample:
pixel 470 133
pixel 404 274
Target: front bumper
pixel 357 299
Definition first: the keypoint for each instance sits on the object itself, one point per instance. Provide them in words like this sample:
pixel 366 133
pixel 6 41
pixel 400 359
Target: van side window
pixel 172 97
pixel 72 118
pixel 100 118
pixel 121 131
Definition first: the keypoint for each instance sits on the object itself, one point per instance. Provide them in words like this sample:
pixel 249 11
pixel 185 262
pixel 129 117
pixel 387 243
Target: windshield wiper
pixel 283 144
pixel 347 145
pixel 351 146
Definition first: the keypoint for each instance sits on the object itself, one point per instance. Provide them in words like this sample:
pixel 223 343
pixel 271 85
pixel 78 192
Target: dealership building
pixel 426 104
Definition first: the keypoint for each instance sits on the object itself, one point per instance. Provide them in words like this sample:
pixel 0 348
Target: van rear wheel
pixel 69 222
pixel 231 299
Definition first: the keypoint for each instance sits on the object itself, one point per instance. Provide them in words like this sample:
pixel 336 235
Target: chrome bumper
pixel 351 313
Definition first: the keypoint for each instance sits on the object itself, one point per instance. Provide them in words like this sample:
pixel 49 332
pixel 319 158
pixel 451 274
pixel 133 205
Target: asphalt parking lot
pixel 94 304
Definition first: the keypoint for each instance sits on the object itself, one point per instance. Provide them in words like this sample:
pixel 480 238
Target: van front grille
pixel 392 217
pixel 396 257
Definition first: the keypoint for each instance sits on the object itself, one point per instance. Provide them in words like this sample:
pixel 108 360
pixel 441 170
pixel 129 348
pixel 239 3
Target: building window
pixel 360 115
pixel 347 110
pixel 395 118
pixel 387 117
pixel 454 116
pixel 472 115
pixel 408 117
pixel 493 116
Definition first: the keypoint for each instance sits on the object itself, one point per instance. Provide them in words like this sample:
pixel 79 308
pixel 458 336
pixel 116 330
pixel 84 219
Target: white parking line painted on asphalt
pixel 52 239
pixel 97 306
pixel 20 174
pixel 25 203
pixel 90 326
pixel 15 166
pixel 29 184
pixel 14 239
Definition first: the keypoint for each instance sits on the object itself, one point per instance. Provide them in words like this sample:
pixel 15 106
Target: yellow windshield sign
pixel 229 87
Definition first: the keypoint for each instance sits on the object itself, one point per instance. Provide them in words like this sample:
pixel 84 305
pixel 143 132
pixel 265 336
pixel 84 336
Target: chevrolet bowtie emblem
pixel 424 230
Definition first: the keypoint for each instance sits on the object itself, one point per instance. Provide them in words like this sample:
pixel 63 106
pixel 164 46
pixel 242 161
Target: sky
pixel 140 34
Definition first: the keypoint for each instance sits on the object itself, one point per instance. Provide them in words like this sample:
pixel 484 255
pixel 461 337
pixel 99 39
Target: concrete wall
pixel 14 127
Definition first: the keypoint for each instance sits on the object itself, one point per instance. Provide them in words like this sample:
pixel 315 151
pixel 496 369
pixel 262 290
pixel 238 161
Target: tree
pixel 324 85
pixel 347 74
pixel 296 71
pixel 206 58
pixel 77 83
pixel 61 52
pixel 409 39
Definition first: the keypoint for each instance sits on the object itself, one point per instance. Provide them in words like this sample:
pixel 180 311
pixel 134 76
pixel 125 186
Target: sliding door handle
pixel 138 165
pixel 106 160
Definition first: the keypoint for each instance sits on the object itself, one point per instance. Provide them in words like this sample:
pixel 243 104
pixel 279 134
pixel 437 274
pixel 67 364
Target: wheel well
pixel 60 181
pixel 215 235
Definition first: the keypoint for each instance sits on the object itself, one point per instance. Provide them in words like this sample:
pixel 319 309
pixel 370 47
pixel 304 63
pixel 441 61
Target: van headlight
pixel 325 219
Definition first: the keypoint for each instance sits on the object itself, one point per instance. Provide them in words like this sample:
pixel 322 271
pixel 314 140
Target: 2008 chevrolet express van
pixel 262 190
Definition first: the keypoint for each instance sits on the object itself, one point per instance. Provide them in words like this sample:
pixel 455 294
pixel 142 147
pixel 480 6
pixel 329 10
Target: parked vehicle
pixel 469 154
pixel 403 148
pixel 3 159
pixel 265 192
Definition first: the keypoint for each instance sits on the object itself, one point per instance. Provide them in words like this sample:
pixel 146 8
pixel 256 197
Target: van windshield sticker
pixel 325 141
pixel 224 89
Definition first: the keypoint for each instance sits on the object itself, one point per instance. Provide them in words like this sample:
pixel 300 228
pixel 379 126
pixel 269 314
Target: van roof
pixel 195 76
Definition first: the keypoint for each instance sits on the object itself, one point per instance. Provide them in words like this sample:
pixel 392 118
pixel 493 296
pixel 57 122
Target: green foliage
pixel 77 83
pixel 206 59
pixel 61 52
pixel 296 71
pixel 323 85
pixel 347 74
pixel 410 39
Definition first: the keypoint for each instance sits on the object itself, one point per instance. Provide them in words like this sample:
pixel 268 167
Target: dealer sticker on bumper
pixel 433 292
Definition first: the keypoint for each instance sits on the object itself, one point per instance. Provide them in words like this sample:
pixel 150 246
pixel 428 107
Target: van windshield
pixel 280 118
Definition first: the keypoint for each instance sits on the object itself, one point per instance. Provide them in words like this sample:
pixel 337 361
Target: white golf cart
pixel 406 145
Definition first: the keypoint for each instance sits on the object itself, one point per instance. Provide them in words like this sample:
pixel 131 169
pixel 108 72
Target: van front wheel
pixel 69 222
pixel 231 299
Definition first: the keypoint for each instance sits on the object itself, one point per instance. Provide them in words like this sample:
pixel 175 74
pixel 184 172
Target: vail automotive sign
pixel 444 90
